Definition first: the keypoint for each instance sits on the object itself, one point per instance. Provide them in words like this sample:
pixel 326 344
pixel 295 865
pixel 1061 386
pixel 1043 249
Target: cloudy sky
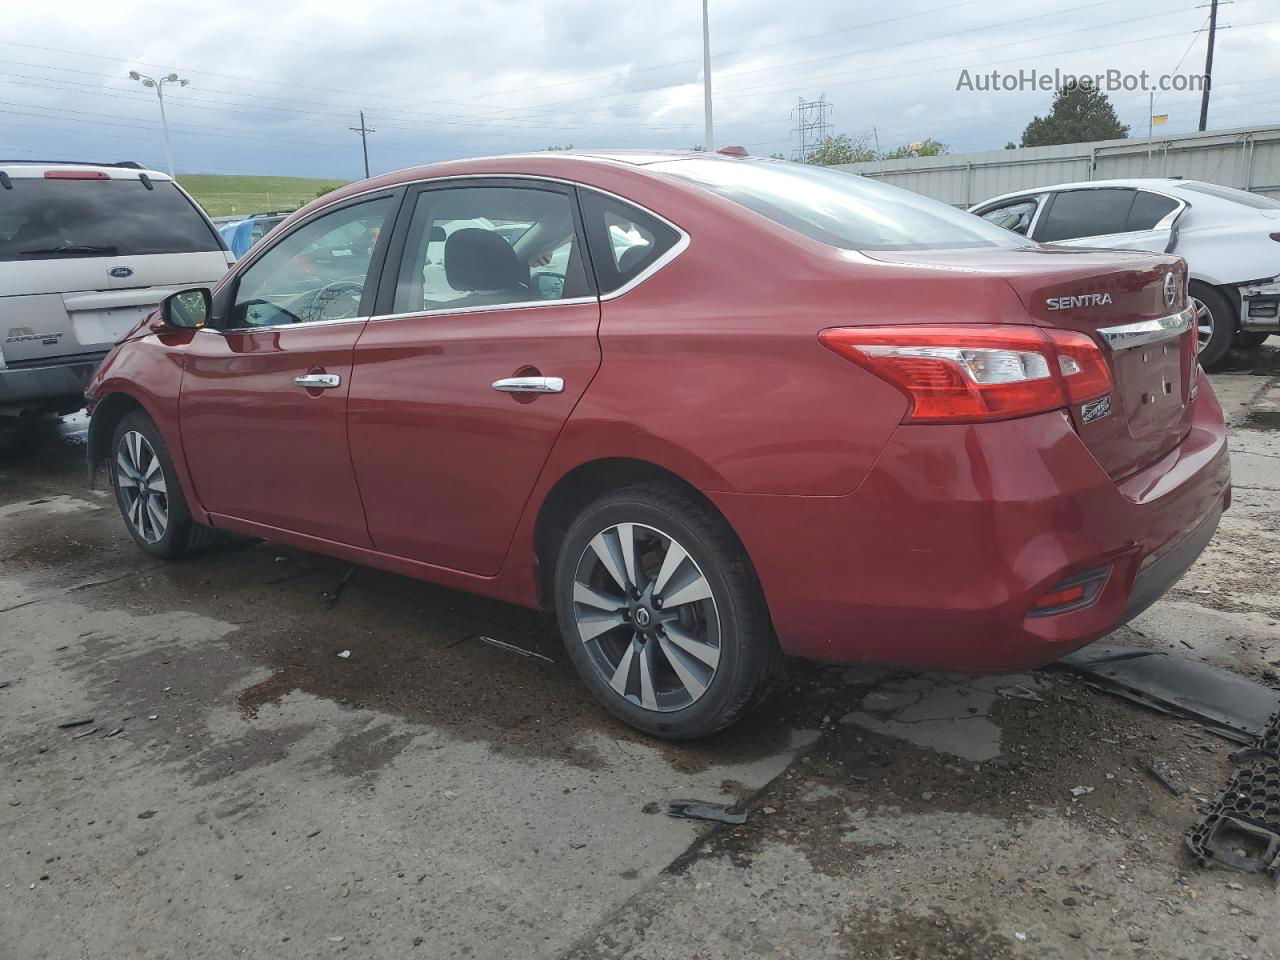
pixel 274 84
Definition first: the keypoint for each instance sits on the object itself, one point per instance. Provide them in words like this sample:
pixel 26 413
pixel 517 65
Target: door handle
pixel 530 385
pixel 318 381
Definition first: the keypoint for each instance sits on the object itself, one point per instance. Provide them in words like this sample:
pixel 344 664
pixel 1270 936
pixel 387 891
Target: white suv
pixel 1229 238
pixel 86 251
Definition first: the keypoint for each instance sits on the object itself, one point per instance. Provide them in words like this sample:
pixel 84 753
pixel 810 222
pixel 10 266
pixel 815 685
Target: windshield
pixel 1235 196
pixel 841 209
pixel 45 219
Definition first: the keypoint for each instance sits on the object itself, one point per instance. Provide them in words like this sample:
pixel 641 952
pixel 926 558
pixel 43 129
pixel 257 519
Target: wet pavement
pixel 240 789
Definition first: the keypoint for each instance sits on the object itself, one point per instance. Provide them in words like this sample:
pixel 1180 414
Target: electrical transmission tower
pixel 812 126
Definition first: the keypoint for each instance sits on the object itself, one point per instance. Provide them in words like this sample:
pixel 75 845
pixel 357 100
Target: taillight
pixel 75 175
pixel 973 373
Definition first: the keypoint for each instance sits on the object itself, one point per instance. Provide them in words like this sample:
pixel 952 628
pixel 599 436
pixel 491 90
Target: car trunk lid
pixel 1134 306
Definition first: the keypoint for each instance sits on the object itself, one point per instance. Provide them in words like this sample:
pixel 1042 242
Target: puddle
pixel 1261 420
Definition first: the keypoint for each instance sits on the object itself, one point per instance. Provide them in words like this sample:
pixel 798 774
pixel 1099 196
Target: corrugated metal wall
pixel 1247 158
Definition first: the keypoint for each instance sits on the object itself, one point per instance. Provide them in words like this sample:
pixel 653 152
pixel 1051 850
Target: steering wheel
pixel 327 296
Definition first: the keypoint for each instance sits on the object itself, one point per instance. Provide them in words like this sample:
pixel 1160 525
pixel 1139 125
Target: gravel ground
pixel 241 790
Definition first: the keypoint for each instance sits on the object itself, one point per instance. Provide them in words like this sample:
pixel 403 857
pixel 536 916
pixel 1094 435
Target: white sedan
pixel 1229 238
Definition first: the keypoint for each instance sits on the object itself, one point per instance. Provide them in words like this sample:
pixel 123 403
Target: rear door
pixel 263 408
pixel 486 338
pixel 84 255
pixel 1110 217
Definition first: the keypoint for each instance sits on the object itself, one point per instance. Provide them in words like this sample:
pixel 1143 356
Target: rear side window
pixel 48 219
pixel 1086 213
pixel 624 241
pixel 1149 209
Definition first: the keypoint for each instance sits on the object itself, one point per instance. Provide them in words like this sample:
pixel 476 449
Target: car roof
pixel 36 169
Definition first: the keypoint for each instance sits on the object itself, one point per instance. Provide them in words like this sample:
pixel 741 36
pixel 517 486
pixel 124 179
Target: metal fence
pixel 1247 158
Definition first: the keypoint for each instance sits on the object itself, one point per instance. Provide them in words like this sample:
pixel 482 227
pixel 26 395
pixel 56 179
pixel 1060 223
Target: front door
pixel 460 390
pixel 264 396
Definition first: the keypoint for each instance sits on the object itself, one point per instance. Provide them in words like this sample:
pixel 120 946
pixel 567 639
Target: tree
pixel 926 148
pixel 567 146
pixel 776 156
pixel 1011 145
pixel 841 149
pixel 1080 113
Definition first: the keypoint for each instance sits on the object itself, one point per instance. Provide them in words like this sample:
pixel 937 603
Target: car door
pixel 1117 218
pixel 264 392
pixel 486 337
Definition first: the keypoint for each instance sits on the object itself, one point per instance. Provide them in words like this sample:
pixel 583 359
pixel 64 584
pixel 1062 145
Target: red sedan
pixel 710 409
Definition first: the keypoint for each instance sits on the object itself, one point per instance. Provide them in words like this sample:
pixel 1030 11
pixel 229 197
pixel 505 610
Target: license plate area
pixel 106 325
pixel 1152 385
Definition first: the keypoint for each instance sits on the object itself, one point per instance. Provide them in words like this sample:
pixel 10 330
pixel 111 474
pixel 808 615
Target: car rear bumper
pixel 937 560
pixel 56 385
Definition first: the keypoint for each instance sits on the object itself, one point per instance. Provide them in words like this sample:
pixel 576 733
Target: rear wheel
pixel 148 492
pixel 1215 323
pixel 661 613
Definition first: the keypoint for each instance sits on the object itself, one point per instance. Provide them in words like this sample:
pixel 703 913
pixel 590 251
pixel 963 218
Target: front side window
pixel 60 218
pixel 1086 213
pixel 1013 216
pixel 480 246
pixel 840 209
pixel 317 272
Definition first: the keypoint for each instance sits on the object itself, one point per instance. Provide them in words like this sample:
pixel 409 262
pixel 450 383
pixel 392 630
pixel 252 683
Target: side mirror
pixel 437 235
pixel 187 309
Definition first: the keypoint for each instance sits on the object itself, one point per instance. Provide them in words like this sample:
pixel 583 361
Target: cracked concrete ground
pixel 433 796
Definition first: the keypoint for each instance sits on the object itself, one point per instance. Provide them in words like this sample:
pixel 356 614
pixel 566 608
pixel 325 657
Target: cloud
pixel 276 85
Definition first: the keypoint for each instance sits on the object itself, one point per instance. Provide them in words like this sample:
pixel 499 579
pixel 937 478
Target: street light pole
pixel 706 78
pixel 158 86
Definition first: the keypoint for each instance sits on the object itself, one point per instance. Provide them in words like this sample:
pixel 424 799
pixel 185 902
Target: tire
pixel 165 528
pixel 1251 339
pixel 1221 321
pixel 695 663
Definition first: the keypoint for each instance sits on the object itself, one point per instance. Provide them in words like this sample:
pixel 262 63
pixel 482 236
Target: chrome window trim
pixel 285 326
pixel 485 308
pixel 1127 335
pixel 677 248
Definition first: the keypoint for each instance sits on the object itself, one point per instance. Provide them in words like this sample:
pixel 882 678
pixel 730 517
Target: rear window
pixel 46 219
pixel 841 209
pixel 1235 196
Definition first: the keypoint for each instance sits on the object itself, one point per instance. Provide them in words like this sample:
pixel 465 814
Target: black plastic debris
pixel 698 810
pixel 1227 703
pixel 1242 829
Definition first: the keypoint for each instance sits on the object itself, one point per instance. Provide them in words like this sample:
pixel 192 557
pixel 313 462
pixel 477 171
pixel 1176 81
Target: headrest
pixel 476 259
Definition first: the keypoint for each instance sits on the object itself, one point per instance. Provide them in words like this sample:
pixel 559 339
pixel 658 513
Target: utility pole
pixel 1208 64
pixel 158 87
pixel 707 136
pixel 364 141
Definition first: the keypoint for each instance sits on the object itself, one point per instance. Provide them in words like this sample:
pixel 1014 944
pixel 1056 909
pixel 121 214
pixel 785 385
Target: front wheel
pixel 662 614
pixel 148 492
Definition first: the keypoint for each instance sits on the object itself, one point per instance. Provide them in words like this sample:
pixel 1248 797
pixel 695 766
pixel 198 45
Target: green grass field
pixel 222 196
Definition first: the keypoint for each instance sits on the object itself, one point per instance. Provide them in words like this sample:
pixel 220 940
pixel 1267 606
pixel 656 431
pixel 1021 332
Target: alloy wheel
pixel 141 482
pixel 1204 323
pixel 646 616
